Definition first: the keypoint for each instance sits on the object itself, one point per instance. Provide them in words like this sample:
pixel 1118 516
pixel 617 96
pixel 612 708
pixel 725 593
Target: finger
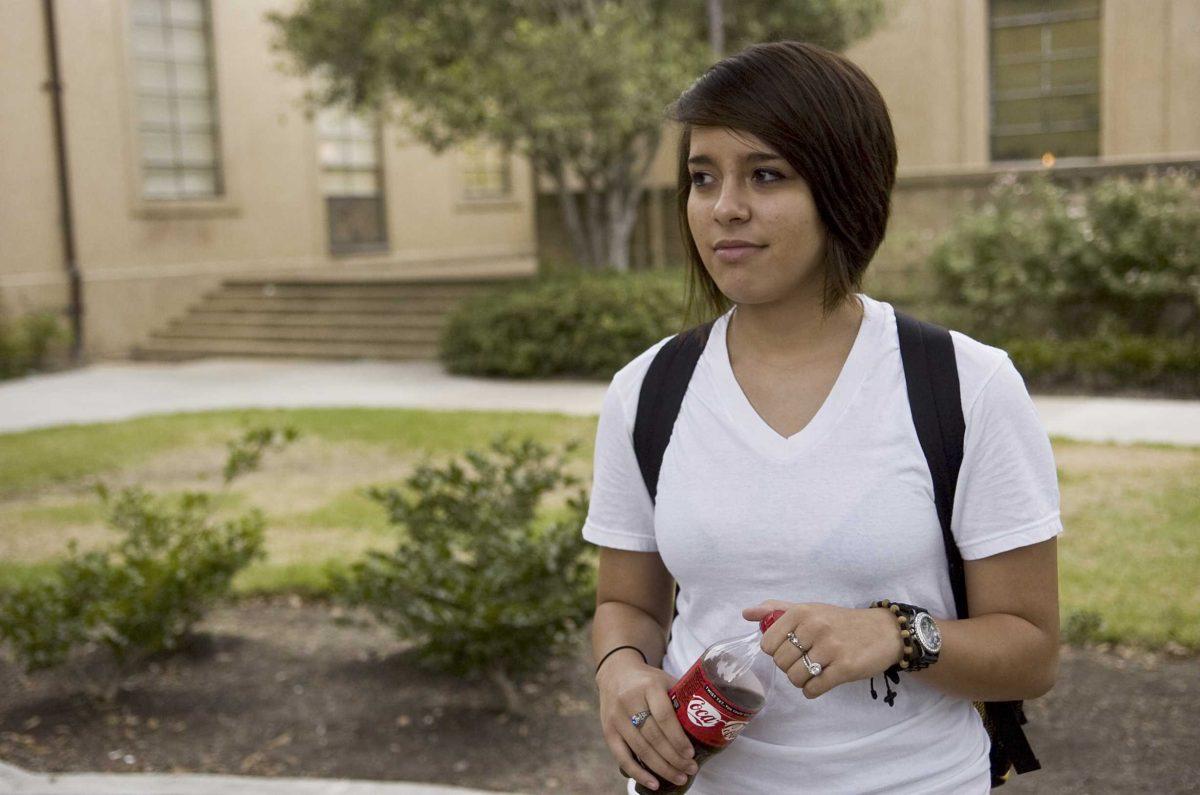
pixel 629 766
pixel 776 642
pixel 786 656
pixel 667 722
pixel 763 609
pixel 798 674
pixel 650 757
pixel 796 622
pixel 830 677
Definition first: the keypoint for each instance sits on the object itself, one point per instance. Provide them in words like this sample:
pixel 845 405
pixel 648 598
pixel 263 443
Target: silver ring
pixel 814 668
pixel 640 718
pixel 791 636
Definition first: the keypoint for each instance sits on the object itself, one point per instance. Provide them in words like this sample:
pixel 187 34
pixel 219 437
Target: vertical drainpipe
pixel 74 278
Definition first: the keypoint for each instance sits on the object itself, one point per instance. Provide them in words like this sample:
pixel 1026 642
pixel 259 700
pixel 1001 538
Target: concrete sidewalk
pixel 16 781
pixel 122 390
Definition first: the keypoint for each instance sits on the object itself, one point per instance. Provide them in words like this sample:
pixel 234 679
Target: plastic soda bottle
pixel 718 695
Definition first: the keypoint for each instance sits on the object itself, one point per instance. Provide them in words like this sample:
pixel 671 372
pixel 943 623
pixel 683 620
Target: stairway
pixel 322 319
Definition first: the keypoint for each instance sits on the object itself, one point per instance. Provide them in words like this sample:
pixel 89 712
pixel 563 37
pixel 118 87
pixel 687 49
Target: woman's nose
pixel 731 205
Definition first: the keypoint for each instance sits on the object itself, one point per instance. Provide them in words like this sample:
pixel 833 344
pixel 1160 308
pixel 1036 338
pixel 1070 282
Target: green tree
pixel 578 87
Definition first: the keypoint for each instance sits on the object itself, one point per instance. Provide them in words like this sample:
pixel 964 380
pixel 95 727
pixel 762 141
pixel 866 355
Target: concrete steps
pixel 316 318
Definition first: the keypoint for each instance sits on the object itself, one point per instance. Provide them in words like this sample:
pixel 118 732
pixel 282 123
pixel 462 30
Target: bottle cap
pixel 769 619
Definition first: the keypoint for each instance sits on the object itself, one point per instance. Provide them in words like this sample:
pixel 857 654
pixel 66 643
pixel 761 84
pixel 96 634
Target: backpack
pixel 931 375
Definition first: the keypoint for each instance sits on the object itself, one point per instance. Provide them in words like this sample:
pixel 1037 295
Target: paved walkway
pixel 15 781
pixel 121 390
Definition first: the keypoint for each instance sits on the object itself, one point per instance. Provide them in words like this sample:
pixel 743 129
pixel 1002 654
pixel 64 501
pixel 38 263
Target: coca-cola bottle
pixel 718 695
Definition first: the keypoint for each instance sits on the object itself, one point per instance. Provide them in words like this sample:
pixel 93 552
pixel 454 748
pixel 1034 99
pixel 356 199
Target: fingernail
pixel 651 783
pixel 681 779
pixel 690 751
pixel 692 770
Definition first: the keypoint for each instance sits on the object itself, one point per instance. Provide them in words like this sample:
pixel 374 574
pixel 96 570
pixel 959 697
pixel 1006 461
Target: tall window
pixel 351 181
pixel 485 172
pixel 1045 57
pixel 176 100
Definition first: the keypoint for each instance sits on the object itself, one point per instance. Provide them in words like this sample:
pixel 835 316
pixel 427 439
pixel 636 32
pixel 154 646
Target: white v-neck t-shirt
pixel 841 513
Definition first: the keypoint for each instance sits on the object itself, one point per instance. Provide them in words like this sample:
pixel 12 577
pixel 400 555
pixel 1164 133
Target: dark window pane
pixel 1077 33
pixel 1026 39
pixel 1075 72
pixel 355 222
pixel 1085 109
pixel 1017 111
pixel 1018 76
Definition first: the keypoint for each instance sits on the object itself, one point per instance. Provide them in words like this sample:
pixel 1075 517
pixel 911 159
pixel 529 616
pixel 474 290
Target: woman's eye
pixel 775 176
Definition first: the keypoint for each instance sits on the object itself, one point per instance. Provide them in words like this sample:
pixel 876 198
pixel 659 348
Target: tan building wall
pixel 144 262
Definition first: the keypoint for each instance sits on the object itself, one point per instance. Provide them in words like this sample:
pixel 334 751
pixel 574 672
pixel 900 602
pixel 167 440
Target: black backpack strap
pixel 931 377
pixel 663 387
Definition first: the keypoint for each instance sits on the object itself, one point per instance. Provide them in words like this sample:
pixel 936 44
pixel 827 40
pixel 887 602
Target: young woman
pixel 794 478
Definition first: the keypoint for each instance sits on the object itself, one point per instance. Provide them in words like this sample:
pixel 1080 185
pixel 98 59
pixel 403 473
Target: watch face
pixel 927 633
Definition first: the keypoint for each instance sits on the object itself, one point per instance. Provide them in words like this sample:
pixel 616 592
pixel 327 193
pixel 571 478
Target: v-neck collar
pixel 755 429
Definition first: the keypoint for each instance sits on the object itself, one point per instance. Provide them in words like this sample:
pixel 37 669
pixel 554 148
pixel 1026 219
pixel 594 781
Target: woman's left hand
pixel 850 644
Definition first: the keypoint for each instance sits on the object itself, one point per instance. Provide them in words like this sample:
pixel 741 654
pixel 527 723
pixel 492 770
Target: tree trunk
pixel 626 187
pixel 716 28
pixel 593 201
pixel 570 215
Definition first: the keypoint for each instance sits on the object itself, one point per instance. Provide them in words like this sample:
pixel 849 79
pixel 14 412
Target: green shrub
pixel 139 596
pixel 1039 259
pixel 25 343
pixel 142 594
pixel 586 325
pixel 476 582
pixel 1111 363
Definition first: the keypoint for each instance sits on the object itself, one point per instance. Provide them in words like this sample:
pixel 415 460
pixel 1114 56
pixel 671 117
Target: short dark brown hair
pixel 823 115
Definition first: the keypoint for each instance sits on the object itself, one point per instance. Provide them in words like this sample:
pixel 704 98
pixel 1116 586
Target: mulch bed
pixel 285 687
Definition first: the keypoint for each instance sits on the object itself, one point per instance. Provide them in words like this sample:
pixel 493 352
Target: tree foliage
pixel 576 86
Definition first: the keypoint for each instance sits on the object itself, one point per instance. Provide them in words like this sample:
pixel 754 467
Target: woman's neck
pixel 792 333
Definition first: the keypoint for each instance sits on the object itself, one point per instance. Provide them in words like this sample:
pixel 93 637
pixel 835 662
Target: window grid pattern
pixel 177 125
pixel 351 182
pixel 486 173
pixel 1045 78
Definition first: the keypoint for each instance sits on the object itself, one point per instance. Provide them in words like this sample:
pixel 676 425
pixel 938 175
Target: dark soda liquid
pixel 747 700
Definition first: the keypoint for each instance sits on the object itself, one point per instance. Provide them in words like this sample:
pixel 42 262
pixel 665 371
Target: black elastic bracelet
pixel 605 657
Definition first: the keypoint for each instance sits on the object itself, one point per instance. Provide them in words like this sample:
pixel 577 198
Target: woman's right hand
pixel 627 686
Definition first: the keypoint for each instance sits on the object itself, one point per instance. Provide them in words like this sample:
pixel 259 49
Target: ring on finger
pixel 814 668
pixel 640 718
pixel 791 636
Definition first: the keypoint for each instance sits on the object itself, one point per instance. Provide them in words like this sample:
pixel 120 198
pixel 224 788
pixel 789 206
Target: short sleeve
pixel 1007 493
pixel 620 513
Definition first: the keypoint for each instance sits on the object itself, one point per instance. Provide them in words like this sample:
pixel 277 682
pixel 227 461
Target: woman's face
pixel 743 190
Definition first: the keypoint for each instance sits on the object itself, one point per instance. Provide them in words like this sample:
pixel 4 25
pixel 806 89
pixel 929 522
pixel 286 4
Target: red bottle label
pixel 704 712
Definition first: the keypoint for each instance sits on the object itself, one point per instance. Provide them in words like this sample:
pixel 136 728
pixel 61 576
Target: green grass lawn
pixel 1129 559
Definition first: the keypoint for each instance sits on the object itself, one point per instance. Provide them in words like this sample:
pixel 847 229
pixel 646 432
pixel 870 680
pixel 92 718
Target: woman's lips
pixel 737 253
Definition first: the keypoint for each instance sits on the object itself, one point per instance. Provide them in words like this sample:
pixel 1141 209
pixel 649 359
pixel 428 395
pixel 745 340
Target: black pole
pixel 74 279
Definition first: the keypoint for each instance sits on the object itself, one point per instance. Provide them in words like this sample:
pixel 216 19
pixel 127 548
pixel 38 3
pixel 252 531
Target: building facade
pixel 190 157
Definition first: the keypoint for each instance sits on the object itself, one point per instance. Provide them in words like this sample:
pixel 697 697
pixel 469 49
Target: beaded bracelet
pixel 892 674
pixel 605 657
pixel 905 632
